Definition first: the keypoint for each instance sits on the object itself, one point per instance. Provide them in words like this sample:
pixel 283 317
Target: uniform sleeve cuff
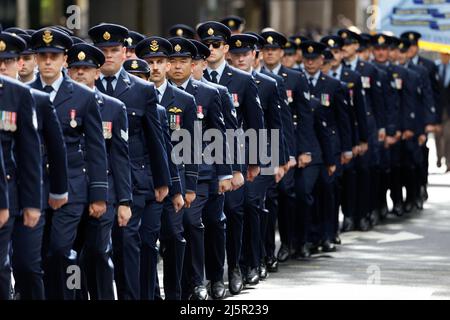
pixel 59 196
pixel 227 177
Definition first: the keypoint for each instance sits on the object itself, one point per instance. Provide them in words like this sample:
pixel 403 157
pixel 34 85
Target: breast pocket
pixel 72 126
pixel 140 178
pixel 135 120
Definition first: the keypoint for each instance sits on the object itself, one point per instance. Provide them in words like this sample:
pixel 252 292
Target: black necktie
pixel 109 86
pixel 311 82
pixel 158 95
pixel 48 89
pixel 214 75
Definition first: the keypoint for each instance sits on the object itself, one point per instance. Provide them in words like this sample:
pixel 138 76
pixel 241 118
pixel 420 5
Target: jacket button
pixel 8 177
pixel 143 167
pixel 107 171
pixel 295 116
pixel 47 166
pixel 133 113
pixel 84 169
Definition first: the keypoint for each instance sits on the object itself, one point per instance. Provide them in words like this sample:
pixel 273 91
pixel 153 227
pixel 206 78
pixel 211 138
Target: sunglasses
pixel 215 44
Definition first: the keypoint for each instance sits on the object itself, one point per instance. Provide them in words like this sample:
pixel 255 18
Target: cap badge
pixel 106 36
pixel 210 31
pixel 177 48
pixel 310 49
pixel 231 23
pixel 47 37
pixel 154 46
pixel 238 43
pixel 2 46
pixel 81 56
pixel 331 42
pixel 134 65
pixel 269 40
pixel 179 32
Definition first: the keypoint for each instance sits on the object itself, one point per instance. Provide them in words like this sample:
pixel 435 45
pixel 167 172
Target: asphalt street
pixel 403 258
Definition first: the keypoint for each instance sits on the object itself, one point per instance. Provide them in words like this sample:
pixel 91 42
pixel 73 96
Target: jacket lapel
pixel 123 84
pixel 192 88
pixel 64 92
pixel 226 76
pixel 168 97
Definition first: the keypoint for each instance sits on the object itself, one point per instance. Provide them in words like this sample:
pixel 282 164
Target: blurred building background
pixel 156 16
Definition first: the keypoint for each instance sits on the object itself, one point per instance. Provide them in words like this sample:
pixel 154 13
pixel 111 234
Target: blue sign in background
pixel 429 17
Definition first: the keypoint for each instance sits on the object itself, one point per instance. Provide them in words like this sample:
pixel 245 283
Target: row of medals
pixel 8 124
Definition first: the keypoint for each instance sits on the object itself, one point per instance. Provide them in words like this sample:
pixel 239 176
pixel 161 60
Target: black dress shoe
pixel 348 225
pixel 424 193
pixel 303 252
pixel 337 240
pixel 235 283
pixel 398 210
pixel 263 271
pixel 327 246
pixel 272 265
pixel 419 204
pixel 200 293
pixel 383 212
pixel 314 248
pixel 374 218
pixel 408 207
pixel 363 225
pixel 218 290
pixel 283 253
pixel 252 278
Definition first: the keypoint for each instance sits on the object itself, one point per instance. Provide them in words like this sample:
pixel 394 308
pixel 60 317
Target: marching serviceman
pixel 149 164
pixel 250 116
pixel 86 157
pixel 84 62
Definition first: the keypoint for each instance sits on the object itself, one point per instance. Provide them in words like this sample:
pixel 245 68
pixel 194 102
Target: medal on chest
pixel 73 122
pixel 200 114
pixel 289 96
pixel 235 100
pixel 325 99
pixel 107 129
